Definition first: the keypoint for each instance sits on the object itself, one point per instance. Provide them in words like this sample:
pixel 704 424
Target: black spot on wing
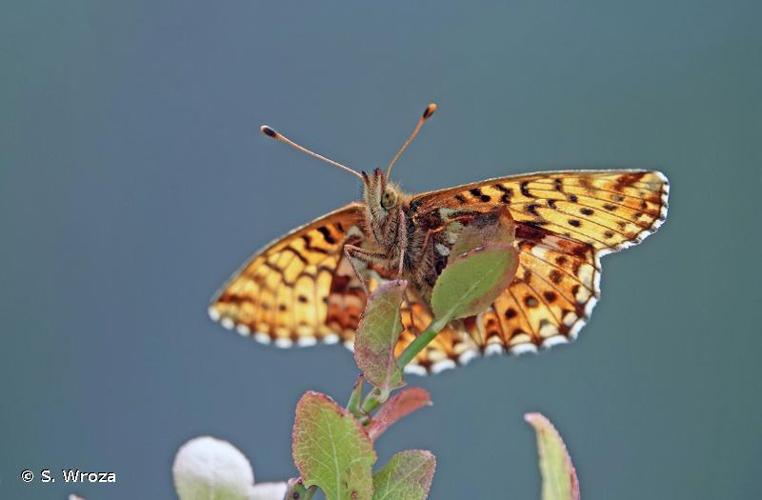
pixel 327 236
pixel 525 190
pixel 477 193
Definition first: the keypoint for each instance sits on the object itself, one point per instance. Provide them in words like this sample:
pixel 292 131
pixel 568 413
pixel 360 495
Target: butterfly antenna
pixel 269 132
pixel 430 109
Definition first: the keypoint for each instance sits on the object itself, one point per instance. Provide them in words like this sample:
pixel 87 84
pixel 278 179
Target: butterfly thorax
pixel 411 245
pixel 393 232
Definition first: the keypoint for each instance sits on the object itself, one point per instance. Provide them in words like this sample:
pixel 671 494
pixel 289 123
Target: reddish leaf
pixel 400 405
pixel 377 335
pixel 501 230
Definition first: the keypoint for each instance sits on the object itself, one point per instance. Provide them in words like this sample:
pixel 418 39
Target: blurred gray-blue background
pixel 133 180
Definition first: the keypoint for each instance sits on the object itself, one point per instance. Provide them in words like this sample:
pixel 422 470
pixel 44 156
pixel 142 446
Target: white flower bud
pixel 206 467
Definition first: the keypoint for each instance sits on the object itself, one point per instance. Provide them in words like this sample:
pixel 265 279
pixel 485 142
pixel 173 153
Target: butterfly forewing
pixel 606 209
pixel 284 293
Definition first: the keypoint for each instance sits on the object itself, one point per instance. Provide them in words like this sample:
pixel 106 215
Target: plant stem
pixel 353 406
pixel 421 341
pixel 375 398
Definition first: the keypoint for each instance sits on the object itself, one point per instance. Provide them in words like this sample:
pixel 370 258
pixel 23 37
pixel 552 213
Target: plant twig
pixel 353 406
pixel 373 400
pixel 421 341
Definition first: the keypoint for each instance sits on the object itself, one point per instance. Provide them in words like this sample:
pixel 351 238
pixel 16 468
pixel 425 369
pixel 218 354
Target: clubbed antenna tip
pixel 430 110
pixel 268 131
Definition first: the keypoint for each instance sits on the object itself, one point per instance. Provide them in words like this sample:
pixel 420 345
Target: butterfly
pixel 311 285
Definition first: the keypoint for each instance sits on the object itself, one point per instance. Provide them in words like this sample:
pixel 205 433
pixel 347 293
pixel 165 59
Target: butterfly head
pixel 381 196
pixel 383 202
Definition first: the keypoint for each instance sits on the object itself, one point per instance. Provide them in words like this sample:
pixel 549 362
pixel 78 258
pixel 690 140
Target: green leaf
pixel 471 281
pixel 407 476
pixel 559 479
pixel 377 334
pixel 482 264
pixel 400 405
pixel 331 449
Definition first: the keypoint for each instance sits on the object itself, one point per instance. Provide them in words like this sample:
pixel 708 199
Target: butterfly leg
pixel 427 241
pixel 359 258
pixel 401 265
pixel 402 242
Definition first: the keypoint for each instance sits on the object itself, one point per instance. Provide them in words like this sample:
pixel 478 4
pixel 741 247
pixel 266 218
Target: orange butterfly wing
pixel 299 289
pixel 566 222
pixel 607 209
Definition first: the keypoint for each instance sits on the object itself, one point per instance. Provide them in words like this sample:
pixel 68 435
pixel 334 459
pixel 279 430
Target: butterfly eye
pixel 388 199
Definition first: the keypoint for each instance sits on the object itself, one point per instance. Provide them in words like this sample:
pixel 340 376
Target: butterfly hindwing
pixel 553 293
